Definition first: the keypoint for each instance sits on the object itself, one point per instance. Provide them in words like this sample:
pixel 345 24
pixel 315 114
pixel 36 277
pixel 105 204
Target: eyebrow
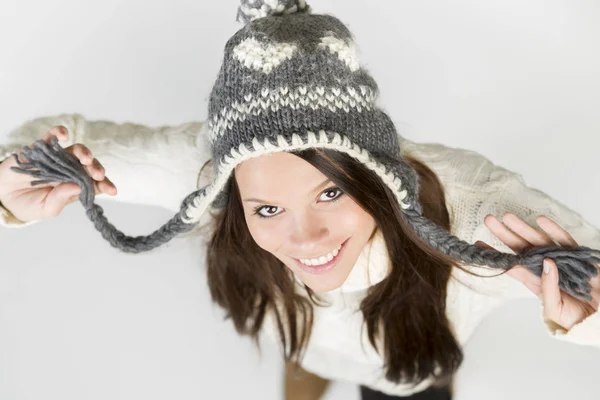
pixel 325 182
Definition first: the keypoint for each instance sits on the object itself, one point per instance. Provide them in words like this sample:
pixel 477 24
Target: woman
pixel 321 210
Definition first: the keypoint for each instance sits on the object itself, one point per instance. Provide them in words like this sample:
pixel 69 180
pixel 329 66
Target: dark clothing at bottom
pixel 431 393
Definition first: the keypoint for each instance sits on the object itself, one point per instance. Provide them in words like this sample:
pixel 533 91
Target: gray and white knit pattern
pixel 250 10
pixel 292 80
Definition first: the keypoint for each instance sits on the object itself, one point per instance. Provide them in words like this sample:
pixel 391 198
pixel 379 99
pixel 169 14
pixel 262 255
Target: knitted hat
pixel 292 80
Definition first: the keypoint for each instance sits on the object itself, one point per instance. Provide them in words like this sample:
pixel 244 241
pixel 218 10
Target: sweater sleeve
pixel 517 197
pixel 148 165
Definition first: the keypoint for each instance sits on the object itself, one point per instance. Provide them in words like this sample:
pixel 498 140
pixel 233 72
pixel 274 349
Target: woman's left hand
pixel 560 307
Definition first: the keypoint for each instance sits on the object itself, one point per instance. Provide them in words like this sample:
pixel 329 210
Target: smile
pixel 323 263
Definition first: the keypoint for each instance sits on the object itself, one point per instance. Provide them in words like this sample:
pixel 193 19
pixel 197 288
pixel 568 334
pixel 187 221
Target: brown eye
pixel 337 194
pixel 258 209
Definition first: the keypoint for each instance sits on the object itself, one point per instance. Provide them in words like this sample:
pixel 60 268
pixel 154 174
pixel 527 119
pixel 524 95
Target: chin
pixel 323 283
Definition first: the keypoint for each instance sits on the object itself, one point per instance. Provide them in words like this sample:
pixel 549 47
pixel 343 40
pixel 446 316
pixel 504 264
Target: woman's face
pixel 305 217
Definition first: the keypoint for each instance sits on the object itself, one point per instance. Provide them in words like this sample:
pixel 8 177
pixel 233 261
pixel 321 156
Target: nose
pixel 309 232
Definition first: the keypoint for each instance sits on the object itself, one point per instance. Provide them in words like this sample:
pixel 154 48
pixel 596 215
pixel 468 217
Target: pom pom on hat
pixel 250 10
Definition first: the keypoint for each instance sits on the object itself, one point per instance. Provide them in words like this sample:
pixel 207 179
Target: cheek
pixel 353 219
pixel 263 235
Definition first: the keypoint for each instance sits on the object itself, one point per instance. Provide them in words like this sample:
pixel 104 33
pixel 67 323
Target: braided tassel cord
pixel 52 163
pixel 575 264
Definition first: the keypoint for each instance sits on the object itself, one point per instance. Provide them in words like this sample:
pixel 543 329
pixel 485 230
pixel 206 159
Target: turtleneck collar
pixel 371 267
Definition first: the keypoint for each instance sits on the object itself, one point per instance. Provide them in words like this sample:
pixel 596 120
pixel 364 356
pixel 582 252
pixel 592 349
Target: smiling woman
pixel 308 223
pixel 326 221
pixel 250 279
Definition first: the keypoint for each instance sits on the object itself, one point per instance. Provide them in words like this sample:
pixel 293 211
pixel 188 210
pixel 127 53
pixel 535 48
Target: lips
pixel 320 269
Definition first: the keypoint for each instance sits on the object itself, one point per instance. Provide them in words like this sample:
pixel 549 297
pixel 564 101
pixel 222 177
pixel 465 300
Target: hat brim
pixel 207 195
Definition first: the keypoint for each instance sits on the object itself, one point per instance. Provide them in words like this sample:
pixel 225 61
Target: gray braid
pixel 575 265
pixel 56 165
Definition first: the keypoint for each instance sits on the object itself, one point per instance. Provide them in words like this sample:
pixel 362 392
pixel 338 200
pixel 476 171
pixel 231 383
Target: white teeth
pixel 323 259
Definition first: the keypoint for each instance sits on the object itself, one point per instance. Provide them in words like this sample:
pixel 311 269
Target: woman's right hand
pixel 29 203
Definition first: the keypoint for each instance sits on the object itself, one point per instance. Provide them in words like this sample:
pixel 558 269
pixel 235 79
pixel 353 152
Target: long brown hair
pixel 405 314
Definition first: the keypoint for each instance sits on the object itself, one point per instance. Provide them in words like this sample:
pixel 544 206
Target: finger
pixel 81 152
pixel 526 231
pixel 559 234
pixel 106 186
pixel 515 242
pixel 95 170
pixel 92 166
pixel 551 296
pixel 59 131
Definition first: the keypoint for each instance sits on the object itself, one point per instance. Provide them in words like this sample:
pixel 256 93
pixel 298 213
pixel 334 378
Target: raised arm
pixel 149 165
pixel 476 187
pixel 528 203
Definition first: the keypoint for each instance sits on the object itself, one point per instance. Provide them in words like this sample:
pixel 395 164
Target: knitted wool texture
pixel 292 80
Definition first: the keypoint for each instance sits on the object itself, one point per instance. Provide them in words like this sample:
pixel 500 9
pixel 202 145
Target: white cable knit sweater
pixel 160 166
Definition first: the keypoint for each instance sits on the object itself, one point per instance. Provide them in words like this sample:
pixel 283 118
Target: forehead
pixel 273 172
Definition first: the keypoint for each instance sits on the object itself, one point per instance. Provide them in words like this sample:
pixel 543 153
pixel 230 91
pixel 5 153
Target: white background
pixel 516 81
